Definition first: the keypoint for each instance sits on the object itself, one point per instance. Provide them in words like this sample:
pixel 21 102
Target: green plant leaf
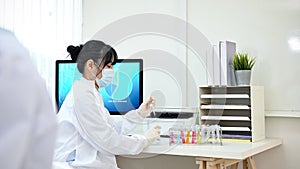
pixel 242 61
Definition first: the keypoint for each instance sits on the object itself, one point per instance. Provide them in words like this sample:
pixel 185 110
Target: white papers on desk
pixel 235 129
pixel 236 107
pixel 224 96
pixel 238 118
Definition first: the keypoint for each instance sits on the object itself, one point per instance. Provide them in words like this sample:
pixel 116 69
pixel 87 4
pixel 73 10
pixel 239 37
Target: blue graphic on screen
pixel 67 74
pixel 122 95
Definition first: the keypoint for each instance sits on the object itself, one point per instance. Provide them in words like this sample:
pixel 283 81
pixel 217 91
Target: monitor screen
pixel 125 93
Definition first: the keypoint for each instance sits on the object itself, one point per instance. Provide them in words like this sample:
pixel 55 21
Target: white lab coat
pixel 27 119
pixel 86 126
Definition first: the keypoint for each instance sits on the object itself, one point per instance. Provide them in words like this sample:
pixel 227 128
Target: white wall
pixel 260 28
pixel 143 36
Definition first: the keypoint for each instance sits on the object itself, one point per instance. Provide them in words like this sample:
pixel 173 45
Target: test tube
pixel 219 134
pixel 182 136
pixel 177 137
pixel 213 133
pixel 198 131
pixel 204 133
pixel 193 134
pixel 171 134
pixel 188 136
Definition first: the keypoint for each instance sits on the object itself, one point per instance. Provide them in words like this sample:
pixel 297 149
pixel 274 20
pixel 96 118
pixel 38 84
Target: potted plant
pixel 242 64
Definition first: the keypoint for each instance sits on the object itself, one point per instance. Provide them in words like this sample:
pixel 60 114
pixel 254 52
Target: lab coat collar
pixel 91 83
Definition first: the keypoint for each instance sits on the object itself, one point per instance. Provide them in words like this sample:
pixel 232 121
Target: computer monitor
pixel 125 93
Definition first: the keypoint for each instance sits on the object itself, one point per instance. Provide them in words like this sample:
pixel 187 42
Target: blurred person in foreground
pixel 27 118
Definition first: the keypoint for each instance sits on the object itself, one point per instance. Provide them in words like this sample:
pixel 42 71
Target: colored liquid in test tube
pixel 188 135
pixel 172 137
pixel 198 135
pixel 178 140
pixel 193 136
pixel 182 137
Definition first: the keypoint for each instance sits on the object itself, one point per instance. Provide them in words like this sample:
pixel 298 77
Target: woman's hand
pixel 146 107
pixel 153 134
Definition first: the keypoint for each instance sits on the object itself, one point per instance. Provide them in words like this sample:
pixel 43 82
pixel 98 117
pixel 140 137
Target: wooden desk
pixel 210 156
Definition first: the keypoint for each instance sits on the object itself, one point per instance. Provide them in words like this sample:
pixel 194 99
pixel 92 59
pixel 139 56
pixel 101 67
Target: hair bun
pixel 74 51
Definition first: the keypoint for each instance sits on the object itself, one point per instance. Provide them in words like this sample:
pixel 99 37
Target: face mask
pixel 107 78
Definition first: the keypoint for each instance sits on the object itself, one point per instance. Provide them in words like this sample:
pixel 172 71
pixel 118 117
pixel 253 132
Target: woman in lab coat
pixel 88 137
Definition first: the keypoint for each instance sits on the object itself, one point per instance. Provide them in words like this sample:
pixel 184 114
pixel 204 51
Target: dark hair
pixel 95 50
pixel 111 56
pixel 74 51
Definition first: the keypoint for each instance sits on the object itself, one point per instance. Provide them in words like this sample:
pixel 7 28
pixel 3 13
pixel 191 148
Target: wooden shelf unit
pixel 238 110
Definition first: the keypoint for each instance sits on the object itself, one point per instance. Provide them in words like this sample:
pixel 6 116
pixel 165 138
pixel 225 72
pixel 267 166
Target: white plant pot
pixel 243 77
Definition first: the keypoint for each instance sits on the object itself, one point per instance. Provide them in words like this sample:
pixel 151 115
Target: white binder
pixel 213 67
pixel 227 50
